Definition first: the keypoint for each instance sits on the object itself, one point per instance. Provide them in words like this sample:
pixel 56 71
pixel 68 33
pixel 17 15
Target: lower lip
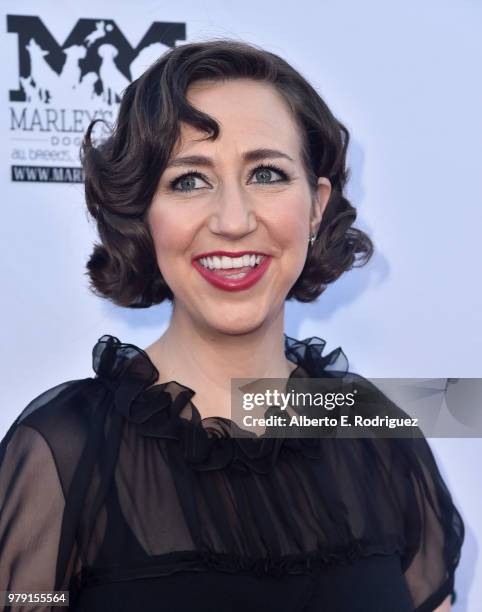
pixel 233 284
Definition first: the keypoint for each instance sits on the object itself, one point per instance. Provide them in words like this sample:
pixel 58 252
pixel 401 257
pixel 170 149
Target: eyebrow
pixel 248 156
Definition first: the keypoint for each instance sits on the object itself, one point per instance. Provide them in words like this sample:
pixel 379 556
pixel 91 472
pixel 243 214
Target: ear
pixel 320 201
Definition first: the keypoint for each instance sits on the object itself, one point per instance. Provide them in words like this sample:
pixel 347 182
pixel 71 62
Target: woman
pixel 123 489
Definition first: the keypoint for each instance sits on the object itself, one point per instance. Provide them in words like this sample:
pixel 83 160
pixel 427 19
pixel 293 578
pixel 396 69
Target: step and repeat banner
pixel 404 77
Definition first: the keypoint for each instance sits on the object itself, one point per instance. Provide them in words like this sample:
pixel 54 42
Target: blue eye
pixel 264 174
pixel 187 182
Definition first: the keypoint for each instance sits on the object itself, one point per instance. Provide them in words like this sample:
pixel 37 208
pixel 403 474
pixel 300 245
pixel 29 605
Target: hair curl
pixel 122 173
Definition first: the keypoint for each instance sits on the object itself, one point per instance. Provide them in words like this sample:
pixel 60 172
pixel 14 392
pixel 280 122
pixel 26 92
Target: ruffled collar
pixel 165 410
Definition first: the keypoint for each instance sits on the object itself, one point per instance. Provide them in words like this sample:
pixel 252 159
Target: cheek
pixel 166 231
pixel 290 220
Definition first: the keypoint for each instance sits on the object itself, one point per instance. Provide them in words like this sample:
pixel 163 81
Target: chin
pixel 235 326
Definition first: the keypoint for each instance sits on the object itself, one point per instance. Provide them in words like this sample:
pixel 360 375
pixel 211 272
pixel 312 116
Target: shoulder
pixel 60 414
pixel 68 412
pixel 69 402
pixel 55 427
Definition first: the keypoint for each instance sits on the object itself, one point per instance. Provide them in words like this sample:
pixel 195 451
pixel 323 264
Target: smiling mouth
pixel 232 273
pixel 231 267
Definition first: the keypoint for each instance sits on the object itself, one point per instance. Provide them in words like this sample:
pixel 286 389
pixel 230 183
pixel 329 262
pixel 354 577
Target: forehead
pixel 250 114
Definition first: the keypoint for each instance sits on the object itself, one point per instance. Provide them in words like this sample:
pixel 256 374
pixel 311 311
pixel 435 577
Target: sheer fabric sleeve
pixel 31 509
pixel 435 531
pixel 48 484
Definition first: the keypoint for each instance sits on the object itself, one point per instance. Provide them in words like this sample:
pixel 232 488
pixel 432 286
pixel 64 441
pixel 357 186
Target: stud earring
pixel 312 239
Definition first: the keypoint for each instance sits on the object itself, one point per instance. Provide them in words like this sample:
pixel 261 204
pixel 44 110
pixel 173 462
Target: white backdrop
pixel 405 79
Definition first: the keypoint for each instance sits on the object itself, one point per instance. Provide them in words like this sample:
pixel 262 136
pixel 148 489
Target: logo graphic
pixel 61 88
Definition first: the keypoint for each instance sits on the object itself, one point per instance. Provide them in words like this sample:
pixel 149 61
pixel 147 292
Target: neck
pixel 201 358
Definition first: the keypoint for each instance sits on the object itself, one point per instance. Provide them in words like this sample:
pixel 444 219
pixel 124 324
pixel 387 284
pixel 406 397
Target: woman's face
pixel 246 191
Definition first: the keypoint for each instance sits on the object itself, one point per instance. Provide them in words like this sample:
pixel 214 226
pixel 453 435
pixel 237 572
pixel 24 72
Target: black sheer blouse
pixel 114 488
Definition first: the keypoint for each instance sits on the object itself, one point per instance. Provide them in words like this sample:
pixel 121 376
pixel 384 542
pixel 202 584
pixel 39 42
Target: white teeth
pixel 226 263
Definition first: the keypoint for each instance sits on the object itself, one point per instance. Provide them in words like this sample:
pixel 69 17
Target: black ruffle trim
pixel 207 443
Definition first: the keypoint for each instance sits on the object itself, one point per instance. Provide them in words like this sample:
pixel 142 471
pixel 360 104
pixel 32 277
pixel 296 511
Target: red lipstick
pixel 219 280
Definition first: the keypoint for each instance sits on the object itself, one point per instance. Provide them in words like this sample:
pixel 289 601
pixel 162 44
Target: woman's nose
pixel 234 213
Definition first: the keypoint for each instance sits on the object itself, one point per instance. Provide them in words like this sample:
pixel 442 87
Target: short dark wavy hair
pixel 122 173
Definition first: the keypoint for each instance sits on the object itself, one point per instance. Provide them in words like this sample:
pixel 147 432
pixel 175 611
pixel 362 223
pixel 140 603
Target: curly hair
pixel 121 174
